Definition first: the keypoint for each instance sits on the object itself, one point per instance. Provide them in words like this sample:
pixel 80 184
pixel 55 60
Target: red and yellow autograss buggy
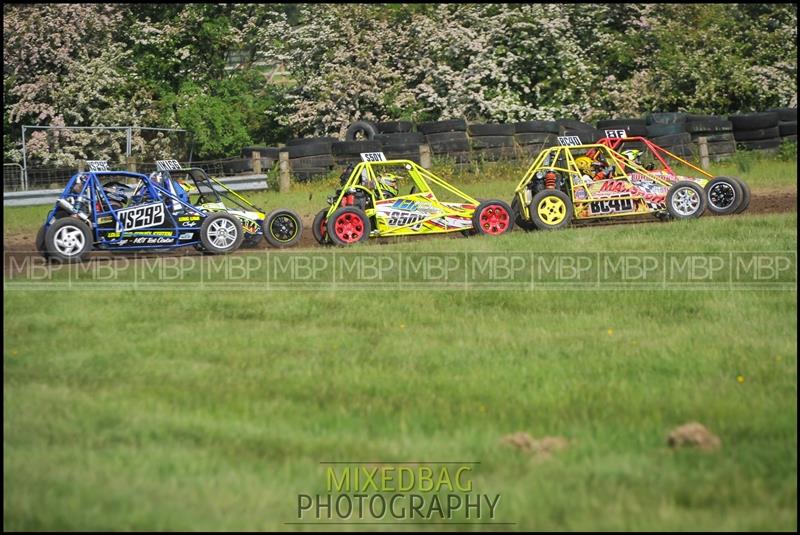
pixel 724 195
pixel 560 187
pixel 369 204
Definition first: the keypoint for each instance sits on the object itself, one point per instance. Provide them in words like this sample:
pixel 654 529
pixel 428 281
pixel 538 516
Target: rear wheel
pixel 68 240
pixel 283 228
pixel 492 217
pixel 745 197
pixel 723 195
pixel 221 233
pixel 686 200
pixel 348 225
pixel 551 209
pixel 320 228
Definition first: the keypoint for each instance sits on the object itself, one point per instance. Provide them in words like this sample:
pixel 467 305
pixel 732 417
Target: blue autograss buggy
pixel 121 210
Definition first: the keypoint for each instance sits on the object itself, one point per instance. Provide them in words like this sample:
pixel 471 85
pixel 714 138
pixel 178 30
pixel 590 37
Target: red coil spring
pixel 550 180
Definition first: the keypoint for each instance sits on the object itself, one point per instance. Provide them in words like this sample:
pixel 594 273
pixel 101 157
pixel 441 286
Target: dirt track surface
pixel 18 246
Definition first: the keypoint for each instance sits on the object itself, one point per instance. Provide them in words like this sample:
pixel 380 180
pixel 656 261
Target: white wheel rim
pixel 69 240
pixel 222 233
pixel 720 191
pixel 685 201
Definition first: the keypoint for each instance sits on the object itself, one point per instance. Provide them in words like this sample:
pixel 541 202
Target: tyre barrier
pixel 565 125
pixel 347 152
pixel 717 130
pixel 757 131
pixel 395 127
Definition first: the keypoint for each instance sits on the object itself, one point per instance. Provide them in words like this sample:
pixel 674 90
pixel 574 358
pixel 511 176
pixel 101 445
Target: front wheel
pixel 283 228
pixel 348 225
pixel 686 200
pixel 221 233
pixel 551 209
pixel 723 195
pixel 68 240
pixel 492 217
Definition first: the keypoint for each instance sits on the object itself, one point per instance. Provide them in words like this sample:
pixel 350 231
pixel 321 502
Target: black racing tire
pixel 572 124
pixel 785 114
pixel 322 161
pixel 221 233
pixel 448 142
pixel 685 200
pixel 535 138
pixel 759 144
pixel 754 121
pixel 754 135
pixel 355 148
pixel 311 140
pixel 616 123
pixel 439 127
pixel 556 206
pixel 666 118
pixel 519 220
pixel 304 150
pixel 282 228
pixel 361 130
pixel 745 196
pixel 41 245
pixel 723 195
pixel 493 217
pixel 348 225
pixel 709 124
pixel 658 130
pixel 536 127
pixel 401 138
pixel 788 128
pixel 319 228
pixel 490 142
pixel 68 240
pixel 673 140
pixel 395 127
pixel 490 129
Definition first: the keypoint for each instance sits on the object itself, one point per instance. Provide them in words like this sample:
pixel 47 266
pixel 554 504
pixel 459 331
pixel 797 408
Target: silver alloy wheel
pixel 721 196
pixel 69 240
pixel 222 233
pixel 685 201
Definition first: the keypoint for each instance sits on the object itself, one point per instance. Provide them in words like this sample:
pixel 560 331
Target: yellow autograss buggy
pixel 369 204
pixel 564 184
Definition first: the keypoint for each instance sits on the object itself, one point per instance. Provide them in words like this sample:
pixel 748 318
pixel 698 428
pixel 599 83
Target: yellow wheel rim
pixel 552 210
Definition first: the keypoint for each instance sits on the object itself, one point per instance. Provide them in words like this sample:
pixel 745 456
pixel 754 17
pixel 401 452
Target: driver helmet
pixel 388 184
pixel 584 164
pixel 632 155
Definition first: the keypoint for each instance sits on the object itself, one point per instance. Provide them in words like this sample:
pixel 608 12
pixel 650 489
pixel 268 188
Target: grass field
pixel 175 409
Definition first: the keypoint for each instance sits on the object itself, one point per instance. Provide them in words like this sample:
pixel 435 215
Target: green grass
pixel 176 409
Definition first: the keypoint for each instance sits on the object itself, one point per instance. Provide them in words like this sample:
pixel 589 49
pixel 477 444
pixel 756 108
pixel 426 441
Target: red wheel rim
pixel 494 219
pixel 349 228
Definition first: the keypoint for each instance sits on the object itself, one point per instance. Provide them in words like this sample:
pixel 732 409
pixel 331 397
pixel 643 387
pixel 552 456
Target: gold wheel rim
pixel 551 210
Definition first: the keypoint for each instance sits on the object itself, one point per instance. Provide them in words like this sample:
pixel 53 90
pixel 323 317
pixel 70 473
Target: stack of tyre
pixel 310 158
pixel 269 156
pixel 532 137
pixel 584 131
pixel 632 127
pixel 491 142
pixel 787 125
pixel 399 141
pixel 668 130
pixel 757 131
pixel 718 132
pixel 447 138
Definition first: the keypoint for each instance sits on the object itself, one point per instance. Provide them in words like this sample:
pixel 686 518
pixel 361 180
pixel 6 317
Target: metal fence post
pixel 24 163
